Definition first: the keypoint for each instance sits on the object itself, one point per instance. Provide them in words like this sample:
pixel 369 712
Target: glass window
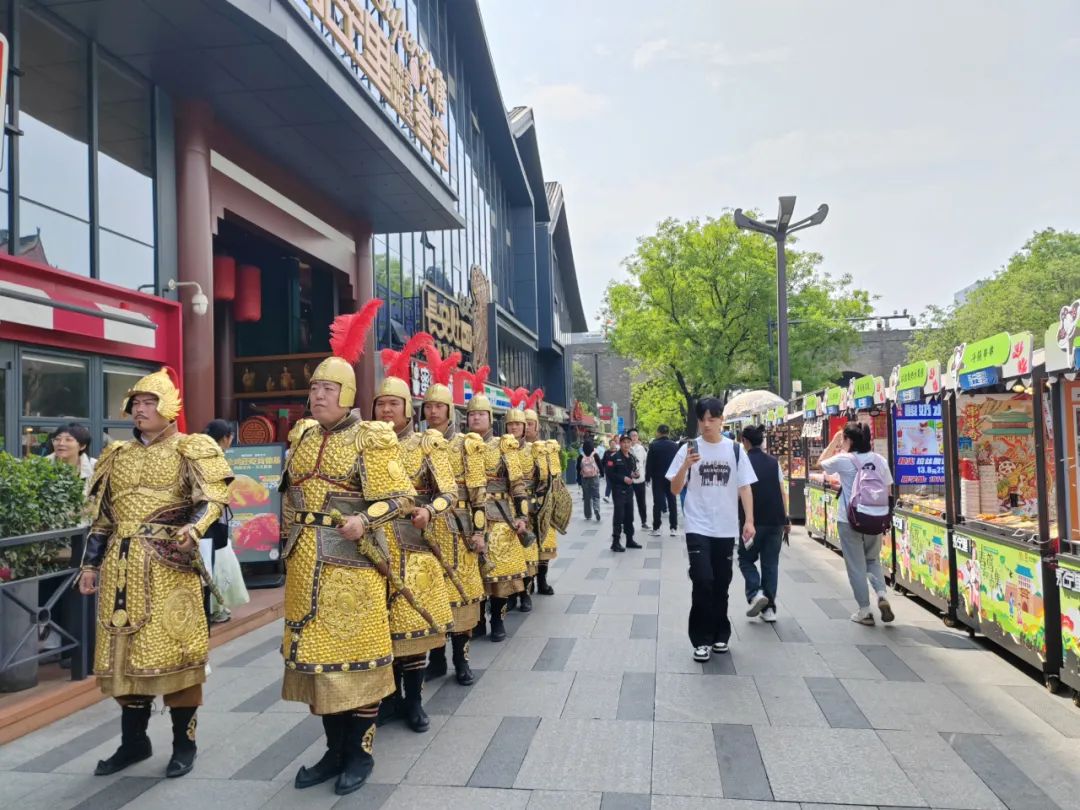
pixel 35 439
pixel 55 386
pixel 118 381
pixel 125 178
pixel 54 149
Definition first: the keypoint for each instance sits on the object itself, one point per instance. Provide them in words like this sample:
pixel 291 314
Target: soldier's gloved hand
pixel 88 583
pixel 520 525
pixel 354 528
pixel 478 543
pixel 421 518
pixel 186 539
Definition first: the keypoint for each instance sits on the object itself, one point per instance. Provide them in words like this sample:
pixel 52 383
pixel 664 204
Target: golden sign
pixel 446 320
pixel 409 82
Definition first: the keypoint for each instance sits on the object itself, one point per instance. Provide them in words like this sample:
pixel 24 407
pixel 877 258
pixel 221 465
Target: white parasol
pixel 750 403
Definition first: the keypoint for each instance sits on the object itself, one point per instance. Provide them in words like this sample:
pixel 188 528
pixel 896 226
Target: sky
pixel 941 134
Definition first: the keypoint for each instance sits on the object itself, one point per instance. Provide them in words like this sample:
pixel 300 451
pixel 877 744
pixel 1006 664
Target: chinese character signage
pixel 833 397
pixel 986 362
pixel 446 319
pixel 920 445
pixel 810 405
pixel 405 77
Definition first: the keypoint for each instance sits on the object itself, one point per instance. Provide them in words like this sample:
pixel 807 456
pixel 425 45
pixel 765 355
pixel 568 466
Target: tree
pixel 695 311
pixel 584 388
pixel 1025 295
pixel 658 402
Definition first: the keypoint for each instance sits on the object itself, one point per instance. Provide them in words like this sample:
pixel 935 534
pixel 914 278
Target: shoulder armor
pixel 508 443
pixel 473 443
pixel 299 429
pixel 432 440
pixel 103 467
pixel 206 456
pixel 375 436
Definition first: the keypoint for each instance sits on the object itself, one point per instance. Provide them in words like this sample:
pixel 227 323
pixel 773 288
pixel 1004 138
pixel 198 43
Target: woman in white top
pixel 847 453
pixel 71 445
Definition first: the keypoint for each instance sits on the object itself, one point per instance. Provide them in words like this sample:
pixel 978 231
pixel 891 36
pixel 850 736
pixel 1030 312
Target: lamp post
pixel 779 229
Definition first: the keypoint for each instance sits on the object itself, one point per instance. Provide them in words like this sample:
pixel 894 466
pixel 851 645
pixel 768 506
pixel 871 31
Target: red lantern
pixel 224 278
pixel 247 307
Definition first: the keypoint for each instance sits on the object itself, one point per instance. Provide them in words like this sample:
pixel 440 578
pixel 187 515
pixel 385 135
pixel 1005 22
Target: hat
pixel 348 333
pixel 162 384
pixel 398 366
pixel 517 397
pixel 534 399
pixel 479 400
pixel 441 371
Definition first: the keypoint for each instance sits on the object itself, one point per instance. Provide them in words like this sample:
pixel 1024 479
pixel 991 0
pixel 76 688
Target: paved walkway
pixel 594 702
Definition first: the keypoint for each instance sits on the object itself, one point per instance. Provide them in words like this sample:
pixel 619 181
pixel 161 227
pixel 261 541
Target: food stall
pixel 820 494
pixel 866 402
pixel 924 564
pixel 1003 543
pixel 784 441
pixel 1064 395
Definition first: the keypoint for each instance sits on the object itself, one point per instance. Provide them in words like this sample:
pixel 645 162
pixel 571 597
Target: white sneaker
pixel 655 533
pixel 673 532
pixel 864 617
pixel 887 614
pixel 757 604
pixel 701 653
pixel 720 647
pixel 768 615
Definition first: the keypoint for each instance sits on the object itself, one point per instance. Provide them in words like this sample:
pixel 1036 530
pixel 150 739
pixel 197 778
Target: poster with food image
pixel 1068 582
pixel 920 444
pixel 255 526
pixel 996 431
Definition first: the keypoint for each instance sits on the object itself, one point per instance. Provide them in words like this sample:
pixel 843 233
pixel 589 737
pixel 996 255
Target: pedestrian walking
pixel 661 452
pixel 716 479
pixel 641 454
pixel 864 484
pixel 771 523
pixel 589 466
pixel 620 468
pixel 612 449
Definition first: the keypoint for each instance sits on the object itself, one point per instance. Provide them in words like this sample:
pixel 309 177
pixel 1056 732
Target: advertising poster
pixel 920 445
pixel 1068 582
pixel 886 554
pixel 1002 588
pixel 922 556
pixel 832 509
pixel 815 511
pixel 996 431
pixel 255 502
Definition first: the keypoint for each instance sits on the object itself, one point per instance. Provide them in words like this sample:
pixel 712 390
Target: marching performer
pixel 515 426
pixel 465 542
pixel 547 458
pixel 151 500
pixel 507 508
pixel 419 624
pixel 344 487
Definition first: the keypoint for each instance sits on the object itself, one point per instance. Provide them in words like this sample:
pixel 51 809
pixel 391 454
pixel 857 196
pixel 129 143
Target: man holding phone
pixel 716 478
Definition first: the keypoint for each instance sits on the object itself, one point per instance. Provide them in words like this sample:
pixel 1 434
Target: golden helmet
pixel 348 333
pixel 161 384
pixel 441 371
pixel 518 398
pixel 531 414
pixel 398 367
pixel 479 400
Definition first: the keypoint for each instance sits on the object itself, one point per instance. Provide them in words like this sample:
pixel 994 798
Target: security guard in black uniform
pixel 620 468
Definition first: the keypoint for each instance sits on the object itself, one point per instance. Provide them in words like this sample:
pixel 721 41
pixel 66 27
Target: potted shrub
pixel 37 496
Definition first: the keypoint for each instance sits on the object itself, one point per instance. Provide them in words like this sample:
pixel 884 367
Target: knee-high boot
pixel 134 742
pixel 332 761
pixel 358 744
pixel 524 599
pixel 498 611
pixel 183 741
pixel 436 666
pixel 542 586
pixel 390 707
pixel 462 670
pixel 415 716
pixel 481 626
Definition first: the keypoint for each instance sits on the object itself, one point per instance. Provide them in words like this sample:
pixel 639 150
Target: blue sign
pixel 622 425
pixel 919 442
pixel 911 395
pixel 834 410
pixel 983 378
pixel 864 403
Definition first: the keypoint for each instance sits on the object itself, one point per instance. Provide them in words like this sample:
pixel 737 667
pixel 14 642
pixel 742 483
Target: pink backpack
pixel 588 466
pixel 868 510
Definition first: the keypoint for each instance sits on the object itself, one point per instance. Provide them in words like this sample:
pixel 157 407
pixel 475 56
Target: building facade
pixel 274 163
pixel 612 375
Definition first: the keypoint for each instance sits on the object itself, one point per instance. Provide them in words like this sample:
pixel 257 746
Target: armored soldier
pixel 507 508
pixel 547 460
pixel 515 426
pixel 151 500
pixel 465 542
pixel 419 624
pixel 344 487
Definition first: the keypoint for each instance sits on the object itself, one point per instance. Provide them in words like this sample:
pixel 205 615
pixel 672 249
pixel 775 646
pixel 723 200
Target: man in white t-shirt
pixel 716 476
pixel 641 453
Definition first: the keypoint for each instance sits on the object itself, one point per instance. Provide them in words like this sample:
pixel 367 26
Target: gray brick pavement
pixel 594 702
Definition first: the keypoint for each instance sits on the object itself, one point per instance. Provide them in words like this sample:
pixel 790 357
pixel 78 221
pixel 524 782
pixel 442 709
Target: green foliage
pixel 659 402
pixel 694 314
pixel 1026 295
pixel 584 388
pixel 36 495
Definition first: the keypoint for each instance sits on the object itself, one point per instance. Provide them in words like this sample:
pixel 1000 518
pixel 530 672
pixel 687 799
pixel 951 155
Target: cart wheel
pixel 1053 684
pixel 949 621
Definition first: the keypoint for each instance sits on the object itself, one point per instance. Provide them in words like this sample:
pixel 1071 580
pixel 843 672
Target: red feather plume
pixel 534 399
pixel 397 363
pixel 349 332
pixel 516 396
pixel 441 369
pixel 478 380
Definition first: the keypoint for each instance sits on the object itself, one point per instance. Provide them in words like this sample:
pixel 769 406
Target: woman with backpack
pixel 589 466
pixel 865 513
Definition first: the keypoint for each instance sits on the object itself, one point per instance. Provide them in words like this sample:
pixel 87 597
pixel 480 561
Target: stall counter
pixel 816 496
pixel 922 556
pixel 1068 585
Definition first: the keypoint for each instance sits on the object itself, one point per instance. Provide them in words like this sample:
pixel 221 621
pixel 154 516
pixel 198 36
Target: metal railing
pixel 61 610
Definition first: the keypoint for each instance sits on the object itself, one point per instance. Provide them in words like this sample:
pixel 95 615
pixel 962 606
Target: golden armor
pixel 337 633
pixel 528 463
pixel 152 635
pixel 507 501
pixel 549 468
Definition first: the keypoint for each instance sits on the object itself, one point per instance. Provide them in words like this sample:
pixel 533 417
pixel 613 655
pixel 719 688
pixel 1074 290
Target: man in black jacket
pixel 661 452
pixel 620 468
pixel 772 525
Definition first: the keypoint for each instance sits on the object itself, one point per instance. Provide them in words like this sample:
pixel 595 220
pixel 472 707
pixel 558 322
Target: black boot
pixel 511 602
pixel 498 610
pixel 415 716
pixel 524 601
pixel 357 761
pixel 616 545
pixel 390 707
pixel 436 665
pixel 462 670
pixel 632 543
pixel 481 626
pixel 183 741
pixel 134 743
pixel 542 586
pixel 331 763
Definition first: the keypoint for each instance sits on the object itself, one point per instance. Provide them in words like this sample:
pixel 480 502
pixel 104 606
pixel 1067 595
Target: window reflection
pixel 55 386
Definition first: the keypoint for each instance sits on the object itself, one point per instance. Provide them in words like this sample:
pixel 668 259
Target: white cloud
pixel 705 54
pixel 566 102
pixel 652 51
pixel 602 50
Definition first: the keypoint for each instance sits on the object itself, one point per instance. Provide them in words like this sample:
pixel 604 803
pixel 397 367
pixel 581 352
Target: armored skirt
pixel 467 591
pixel 412 632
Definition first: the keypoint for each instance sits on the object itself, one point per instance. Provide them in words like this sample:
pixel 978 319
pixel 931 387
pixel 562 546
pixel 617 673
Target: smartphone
pixel 691 447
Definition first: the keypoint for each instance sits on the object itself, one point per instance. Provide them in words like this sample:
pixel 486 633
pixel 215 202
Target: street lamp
pixel 779 229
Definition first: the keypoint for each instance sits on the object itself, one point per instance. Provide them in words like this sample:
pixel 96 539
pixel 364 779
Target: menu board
pixel 920 445
pixel 255 526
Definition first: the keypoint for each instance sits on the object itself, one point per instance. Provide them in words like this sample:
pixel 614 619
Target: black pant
pixel 622 519
pixel 639 496
pixel 663 501
pixel 710 573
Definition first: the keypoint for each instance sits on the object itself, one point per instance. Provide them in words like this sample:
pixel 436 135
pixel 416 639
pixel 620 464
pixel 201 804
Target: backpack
pixel 869 495
pixel 588 466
